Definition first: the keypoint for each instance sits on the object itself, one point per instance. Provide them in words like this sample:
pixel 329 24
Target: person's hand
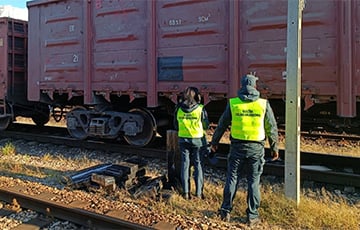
pixel 275 156
pixel 213 148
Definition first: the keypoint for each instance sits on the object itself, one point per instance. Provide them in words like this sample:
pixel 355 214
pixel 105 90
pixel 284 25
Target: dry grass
pixel 323 211
pixel 21 169
pixel 12 163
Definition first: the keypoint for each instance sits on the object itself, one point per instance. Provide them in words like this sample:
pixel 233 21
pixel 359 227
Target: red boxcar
pixel 13 75
pixel 110 56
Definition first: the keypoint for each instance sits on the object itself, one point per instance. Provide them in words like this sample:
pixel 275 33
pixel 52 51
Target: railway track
pixel 319 134
pixel 324 168
pixel 74 212
pixel 328 169
pixel 325 135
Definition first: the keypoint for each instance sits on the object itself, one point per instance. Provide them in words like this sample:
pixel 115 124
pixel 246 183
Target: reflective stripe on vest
pixel 248 119
pixel 190 124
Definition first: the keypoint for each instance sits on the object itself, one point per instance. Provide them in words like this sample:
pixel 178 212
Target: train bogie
pixel 114 57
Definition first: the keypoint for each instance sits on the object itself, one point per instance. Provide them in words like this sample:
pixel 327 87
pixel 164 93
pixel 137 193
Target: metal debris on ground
pixel 129 175
pixel 150 188
pixel 106 182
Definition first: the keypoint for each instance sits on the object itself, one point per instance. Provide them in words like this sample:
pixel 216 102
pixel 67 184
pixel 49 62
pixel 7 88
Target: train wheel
pixel 4 123
pixel 149 129
pixel 6 119
pixel 77 123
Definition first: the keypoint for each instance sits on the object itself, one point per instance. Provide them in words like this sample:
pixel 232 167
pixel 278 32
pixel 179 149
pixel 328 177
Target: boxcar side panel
pixel 327 50
pixel 104 47
pixel 13 62
pixel 262 43
pixel 57 58
pixel 192 39
pixel 119 47
pixel 263 36
pixel 356 41
pixel 4 58
pixel 152 48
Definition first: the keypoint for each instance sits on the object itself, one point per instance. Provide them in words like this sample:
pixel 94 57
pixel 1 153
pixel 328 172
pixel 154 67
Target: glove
pixel 213 148
pixel 275 156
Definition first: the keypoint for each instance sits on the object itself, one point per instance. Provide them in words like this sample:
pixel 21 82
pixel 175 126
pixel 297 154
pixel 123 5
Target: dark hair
pixel 191 95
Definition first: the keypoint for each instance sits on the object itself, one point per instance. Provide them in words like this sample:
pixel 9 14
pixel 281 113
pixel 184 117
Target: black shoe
pixel 186 196
pixel 253 222
pixel 224 216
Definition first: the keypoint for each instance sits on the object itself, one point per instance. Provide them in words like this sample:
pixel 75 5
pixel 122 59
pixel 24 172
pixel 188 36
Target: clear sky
pixel 15 3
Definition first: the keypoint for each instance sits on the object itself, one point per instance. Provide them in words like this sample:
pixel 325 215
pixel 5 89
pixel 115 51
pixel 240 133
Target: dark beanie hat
pixel 249 80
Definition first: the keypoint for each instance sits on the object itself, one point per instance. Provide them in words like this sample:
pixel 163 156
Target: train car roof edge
pixel 40 2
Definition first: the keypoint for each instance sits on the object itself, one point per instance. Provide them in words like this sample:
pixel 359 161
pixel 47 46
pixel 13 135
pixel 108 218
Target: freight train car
pixel 122 64
pixel 13 76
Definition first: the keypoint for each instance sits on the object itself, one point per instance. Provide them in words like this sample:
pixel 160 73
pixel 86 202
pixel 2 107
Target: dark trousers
pixel 190 151
pixel 250 156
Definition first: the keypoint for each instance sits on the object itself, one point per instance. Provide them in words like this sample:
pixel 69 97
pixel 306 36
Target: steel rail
pixel 42 203
pixel 327 136
pixel 328 177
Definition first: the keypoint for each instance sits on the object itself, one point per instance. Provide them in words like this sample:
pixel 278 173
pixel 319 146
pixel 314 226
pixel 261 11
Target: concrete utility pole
pixel 293 100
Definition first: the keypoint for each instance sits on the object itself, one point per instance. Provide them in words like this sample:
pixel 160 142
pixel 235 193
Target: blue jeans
pixel 190 150
pixel 251 156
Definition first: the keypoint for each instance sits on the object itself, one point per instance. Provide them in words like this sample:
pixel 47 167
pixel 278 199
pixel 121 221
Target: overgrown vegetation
pixel 323 211
pixel 13 164
pixel 8 149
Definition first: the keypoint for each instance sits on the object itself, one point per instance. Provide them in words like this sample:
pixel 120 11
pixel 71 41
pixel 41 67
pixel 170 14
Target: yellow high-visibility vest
pixel 190 125
pixel 248 119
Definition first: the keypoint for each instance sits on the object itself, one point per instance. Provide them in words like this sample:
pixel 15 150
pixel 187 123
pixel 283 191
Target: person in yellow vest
pixel 191 121
pixel 252 120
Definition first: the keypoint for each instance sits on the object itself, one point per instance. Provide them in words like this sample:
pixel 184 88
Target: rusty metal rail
pixel 42 203
pixel 343 170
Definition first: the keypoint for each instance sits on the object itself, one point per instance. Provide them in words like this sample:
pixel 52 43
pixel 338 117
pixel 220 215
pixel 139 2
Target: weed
pixel 9 149
pixel 47 157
